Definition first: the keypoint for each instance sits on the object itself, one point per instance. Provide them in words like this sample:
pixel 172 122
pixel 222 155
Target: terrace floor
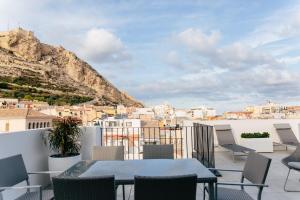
pixel 275 179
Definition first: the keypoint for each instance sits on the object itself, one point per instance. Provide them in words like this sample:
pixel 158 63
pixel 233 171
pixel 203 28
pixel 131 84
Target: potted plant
pixel 63 140
pixel 261 142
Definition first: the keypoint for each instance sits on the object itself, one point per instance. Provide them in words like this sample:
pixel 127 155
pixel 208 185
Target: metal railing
pixel 185 140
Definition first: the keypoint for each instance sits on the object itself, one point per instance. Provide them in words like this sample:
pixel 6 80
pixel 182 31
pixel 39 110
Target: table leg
pixel 211 191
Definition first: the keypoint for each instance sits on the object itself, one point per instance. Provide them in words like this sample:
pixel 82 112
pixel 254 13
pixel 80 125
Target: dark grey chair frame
pixel 227 141
pixel 109 153
pixel 13 172
pixel 255 171
pixel 156 151
pixel 286 135
pixel 165 188
pixel 294 157
pixel 91 188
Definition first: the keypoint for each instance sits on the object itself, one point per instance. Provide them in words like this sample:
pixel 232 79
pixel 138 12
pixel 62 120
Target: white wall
pixel 91 137
pixel 253 125
pixel 35 153
pixel 14 124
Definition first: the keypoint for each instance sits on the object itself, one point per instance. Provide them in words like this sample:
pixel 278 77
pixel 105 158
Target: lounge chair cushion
pixel 223 127
pixel 295 165
pixel 237 148
pixel 282 126
pixel 232 194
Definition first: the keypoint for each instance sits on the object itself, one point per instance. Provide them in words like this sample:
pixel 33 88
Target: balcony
pixel 31 145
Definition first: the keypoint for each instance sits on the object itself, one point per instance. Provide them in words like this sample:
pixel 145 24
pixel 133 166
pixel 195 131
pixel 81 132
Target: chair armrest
pixel 242 184
pixel 45 172
pixel 22 187
pixel 228 170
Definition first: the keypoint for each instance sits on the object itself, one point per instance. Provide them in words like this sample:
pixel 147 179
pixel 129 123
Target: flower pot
pixel 57 163
pixel 258 144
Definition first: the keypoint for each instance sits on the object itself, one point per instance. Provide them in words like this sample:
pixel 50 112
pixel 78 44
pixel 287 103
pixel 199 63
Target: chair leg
pixel 123 188
pixel 286 180
pixel 204 191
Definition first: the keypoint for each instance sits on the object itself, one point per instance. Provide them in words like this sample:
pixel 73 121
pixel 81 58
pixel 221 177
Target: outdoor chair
pixel 255 171
pixel 165 188
pixel 109 153
pixel 165 151
pixel 13 172
pixel 293 163
pixel 226 140
pixel 95 188
pixel 286 135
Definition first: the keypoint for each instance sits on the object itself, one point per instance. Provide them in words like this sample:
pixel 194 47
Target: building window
pixel 7 127
pixel 48 124
pixel 128 124
pixel 29 125
pixel 37 125
pixel 33 125
pixel 59 113
pixel 41 124
pixel 44 124
pixel 112 124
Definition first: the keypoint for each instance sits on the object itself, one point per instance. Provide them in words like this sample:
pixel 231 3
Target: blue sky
pixel 223 54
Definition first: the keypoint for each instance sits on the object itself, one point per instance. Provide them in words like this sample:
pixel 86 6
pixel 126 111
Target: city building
pixel 144 113
pixel 19 119
pixel 237 115
pixel 202 112
pixel 8 102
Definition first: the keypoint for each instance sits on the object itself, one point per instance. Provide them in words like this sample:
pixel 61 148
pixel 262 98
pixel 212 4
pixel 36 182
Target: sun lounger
pixel 226 140
pixel 286 135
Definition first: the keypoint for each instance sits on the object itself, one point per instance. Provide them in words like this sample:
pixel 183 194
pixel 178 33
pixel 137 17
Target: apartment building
pixel 19 119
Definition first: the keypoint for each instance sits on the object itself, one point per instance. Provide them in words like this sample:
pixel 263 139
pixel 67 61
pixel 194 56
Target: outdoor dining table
pixel 125 171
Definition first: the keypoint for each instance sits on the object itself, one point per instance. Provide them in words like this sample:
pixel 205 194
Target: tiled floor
pixel 275 179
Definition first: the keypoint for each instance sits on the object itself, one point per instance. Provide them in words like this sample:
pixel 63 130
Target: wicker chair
pixel 165 188
pixel 13 171
pixel 158 151
pixel 255 171
pixel 293 163
pixel 95 188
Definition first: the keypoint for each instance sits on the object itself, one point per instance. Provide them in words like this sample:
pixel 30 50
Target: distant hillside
pixel 33 70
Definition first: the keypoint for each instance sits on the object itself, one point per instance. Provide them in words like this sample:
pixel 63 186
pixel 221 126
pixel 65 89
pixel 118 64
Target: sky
pixel 225 54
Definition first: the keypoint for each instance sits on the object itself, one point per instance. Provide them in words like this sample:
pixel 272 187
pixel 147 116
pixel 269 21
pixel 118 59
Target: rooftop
pixel 22 113
pixel 275 179
pixel 35 155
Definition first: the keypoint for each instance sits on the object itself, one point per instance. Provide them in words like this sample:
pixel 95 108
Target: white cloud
pixel 197 41
pixel 173 59
pixel 290 60
pixel 100 45
pixel 239 56
pixel 282 24
pixel 205 51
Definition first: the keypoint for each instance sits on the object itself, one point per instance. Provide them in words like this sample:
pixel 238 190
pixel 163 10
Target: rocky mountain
pixel 24 60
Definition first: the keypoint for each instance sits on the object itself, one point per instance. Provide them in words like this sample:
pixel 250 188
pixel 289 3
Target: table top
pixel 124 171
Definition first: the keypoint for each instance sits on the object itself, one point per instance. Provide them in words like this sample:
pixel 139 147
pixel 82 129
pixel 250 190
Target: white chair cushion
pixel 295 165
